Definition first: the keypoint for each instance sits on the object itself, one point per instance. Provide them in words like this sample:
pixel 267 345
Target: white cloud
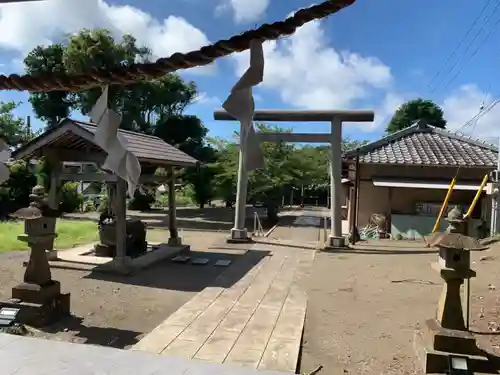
pixel 23 26
pixel 384 111
pixel 308 73
pixel 205 99
pixel 464 104
pixel 243 10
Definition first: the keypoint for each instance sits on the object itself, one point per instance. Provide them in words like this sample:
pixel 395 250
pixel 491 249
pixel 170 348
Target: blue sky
pixel 374 54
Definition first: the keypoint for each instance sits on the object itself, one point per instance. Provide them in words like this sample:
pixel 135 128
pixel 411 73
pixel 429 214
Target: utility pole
pixel 493 190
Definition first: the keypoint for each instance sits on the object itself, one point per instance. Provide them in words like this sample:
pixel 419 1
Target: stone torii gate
pixel 336 118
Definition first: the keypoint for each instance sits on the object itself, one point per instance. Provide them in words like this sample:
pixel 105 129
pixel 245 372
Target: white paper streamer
pixel 120 161
pixel 240 104
pixel 4 158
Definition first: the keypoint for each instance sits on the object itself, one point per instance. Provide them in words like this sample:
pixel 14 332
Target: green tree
pixel 14 193
pixel 414 110
pixel 13 130
pixel 89 50
pixel 50 107
pixel 152 107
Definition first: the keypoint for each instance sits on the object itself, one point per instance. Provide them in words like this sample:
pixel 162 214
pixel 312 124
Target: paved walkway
pixel 258 321
pixel 29 356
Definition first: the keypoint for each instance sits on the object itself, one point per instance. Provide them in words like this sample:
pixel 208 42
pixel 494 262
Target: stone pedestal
pixel 105 250
pixel 174 241
pixel 239 236
pixel 335 243
pixel 433 344
pixel 39 305
pixel 39 298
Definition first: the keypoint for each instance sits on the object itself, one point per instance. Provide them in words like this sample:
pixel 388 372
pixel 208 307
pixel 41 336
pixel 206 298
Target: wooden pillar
pixel 120 210
pixel 53 201
pixel 174 239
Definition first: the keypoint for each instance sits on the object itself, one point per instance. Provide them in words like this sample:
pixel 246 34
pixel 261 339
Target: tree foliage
pixel 13 130
pixel 414 110
pixel 50 107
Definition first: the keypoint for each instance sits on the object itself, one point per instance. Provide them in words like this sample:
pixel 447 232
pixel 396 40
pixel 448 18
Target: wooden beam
pixel 120 207
pixel 88 177
pixel 295 137
pixel 293 115
pixel 63 154
pixel 108 177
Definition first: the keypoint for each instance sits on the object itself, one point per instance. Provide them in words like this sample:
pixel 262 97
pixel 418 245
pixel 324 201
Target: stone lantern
pixel 39 298
pixel 446 334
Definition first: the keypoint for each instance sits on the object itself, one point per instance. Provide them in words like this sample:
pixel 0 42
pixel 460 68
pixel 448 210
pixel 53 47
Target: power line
pixel 475 52
pixel 453 54
pixel 482 112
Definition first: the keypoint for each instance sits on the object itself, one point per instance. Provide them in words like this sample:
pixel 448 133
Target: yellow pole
pixel 476 198
pixel 445 203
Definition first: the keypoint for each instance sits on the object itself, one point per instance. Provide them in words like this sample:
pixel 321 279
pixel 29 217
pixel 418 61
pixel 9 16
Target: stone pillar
pixel 335 239
pixel 53 201
pixel 239 232
pixel 174 239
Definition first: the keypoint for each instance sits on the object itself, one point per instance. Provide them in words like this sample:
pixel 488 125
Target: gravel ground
pixel 363 307
pixel 116 311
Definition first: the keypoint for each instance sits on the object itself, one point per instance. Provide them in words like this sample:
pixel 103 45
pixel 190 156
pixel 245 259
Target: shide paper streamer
pixel 4 158
pixel 240 104
pixel 119 161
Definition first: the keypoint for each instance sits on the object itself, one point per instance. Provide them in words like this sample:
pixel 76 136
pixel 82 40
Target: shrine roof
pixel 72 135
pixel 425 145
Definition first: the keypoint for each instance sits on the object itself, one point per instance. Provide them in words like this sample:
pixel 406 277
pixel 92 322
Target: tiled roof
pixel 422 144
pixel 77 135
pixel 147 147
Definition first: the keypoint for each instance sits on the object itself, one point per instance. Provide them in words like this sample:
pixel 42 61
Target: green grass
pixel 70 233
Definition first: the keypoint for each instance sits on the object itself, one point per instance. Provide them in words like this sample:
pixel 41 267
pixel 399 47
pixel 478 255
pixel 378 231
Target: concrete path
pixel 306 226
pixel 258 321
pixel 29 356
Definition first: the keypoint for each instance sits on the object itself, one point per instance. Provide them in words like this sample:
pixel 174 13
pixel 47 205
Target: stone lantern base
pixel 433 344
pixel 39 305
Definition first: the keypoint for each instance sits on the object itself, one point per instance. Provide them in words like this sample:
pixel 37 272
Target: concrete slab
pixel 200 261
pixel 222 263
pixel 257 322
pixel 181 259
pixel 26 355
pixel 82 256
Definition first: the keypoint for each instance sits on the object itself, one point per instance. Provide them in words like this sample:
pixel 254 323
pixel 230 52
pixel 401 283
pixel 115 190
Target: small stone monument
pixel 39 298
pixel 446 334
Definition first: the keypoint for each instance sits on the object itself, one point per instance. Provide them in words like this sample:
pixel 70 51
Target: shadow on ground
pixel 206 219
pixel 190 277
pixel 382 251
pixel 104 336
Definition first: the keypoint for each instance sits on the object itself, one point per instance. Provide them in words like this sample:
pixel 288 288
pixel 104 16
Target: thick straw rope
pixel 124 75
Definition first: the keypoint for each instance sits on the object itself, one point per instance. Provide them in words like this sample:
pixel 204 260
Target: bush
pixel 141 202
pixel 89 206
pixel 161 201
pixel 71 199
pixel 103 205
pixel 184 197
pixel 14 193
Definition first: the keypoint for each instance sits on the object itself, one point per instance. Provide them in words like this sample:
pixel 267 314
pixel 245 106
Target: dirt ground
pixel 115 311
pixel 363 307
